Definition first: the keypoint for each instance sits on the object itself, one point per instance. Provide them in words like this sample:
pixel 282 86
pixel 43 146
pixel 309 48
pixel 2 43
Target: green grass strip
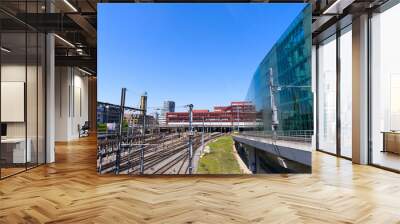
pixel 221 159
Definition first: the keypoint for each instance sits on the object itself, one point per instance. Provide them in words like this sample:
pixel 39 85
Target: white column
pixel 360 90
pixel 50 99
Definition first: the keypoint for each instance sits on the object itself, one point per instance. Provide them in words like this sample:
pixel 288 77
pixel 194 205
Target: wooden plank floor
pixel 70 191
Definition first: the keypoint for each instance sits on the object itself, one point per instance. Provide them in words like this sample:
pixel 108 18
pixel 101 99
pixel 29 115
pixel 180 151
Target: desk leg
pixel 384 142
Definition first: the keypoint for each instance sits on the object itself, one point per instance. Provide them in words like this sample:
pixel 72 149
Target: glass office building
pixel 290 63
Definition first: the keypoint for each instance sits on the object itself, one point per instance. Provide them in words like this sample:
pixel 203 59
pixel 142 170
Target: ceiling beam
pixel 86 26
pixel 77 61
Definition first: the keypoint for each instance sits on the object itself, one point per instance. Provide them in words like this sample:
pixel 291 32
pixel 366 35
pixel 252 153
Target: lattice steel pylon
pixel 273 89
pixel 191 133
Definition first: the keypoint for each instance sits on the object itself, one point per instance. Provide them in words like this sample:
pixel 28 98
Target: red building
pixel 243 111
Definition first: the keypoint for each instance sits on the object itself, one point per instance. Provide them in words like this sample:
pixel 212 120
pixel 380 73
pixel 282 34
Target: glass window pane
pixel 327 95
pixel 13 87
pixel 385 89
pixel 23 90
pixel 346 93
pixel 31 97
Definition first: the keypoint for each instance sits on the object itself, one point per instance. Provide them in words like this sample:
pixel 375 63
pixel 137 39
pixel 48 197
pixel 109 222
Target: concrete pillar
pixel 360 90
pixel 252 159
pixel 50 98
pixel 50 91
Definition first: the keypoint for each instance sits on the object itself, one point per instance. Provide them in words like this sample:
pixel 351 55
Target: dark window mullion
pixel 0 93
pixel 316 97
pixel 26 86
pixel 369 100
pixel 338 78
pixel 37 91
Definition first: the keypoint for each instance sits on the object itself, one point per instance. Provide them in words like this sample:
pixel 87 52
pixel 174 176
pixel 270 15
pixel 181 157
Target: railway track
pixel 160 155
pixel 107 155
pixel 181 159
pixel 126 157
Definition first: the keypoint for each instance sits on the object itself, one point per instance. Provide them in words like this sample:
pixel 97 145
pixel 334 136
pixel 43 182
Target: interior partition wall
pixel 22 77
pixel 385 89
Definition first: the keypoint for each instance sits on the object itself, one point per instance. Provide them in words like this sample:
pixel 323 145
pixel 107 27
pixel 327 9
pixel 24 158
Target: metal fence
pixel 287 135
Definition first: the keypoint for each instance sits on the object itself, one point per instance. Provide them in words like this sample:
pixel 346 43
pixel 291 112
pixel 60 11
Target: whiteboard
pixel 12 101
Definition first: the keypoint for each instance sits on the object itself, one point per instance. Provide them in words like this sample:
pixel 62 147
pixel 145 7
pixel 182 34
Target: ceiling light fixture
pixel 84 71
pixel 331 7
pixel 64 40
pixel 80 51
pixel 5 50
pixel 70 5
pixel 337 7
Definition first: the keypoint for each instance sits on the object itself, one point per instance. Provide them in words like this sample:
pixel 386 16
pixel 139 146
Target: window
pixel 385 89
pixel 23 89
pixel 327 95
pixel 346 92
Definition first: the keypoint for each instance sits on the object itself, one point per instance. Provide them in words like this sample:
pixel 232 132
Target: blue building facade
pixel 290 61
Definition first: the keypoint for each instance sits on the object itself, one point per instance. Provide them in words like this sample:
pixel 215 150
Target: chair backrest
pixel 86 125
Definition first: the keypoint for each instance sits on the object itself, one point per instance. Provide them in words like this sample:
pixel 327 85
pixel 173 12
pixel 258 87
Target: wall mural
pixel 172 82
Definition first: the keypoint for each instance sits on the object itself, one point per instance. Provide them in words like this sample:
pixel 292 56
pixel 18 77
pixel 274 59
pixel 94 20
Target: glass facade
pixel 346 92
pixel 290 63
pixel 385 89
pixel 335 78
pixel 334 86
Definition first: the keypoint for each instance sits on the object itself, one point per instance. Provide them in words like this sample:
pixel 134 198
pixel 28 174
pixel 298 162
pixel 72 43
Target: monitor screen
pixel 3 129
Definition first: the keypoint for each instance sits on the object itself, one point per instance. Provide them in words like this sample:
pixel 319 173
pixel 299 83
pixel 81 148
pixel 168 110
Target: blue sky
pixel 204 54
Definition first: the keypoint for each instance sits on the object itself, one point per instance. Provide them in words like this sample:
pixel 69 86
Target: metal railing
pixel 285 135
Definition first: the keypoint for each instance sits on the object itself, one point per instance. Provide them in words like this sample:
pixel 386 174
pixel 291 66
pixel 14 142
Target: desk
pixel 391 141
pixel 13 150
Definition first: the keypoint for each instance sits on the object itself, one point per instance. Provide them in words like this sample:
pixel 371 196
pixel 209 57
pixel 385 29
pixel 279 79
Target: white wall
pixel 80 105
pixel 14 72
pixel 33 126
pixel 17 72
pixel 71 102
